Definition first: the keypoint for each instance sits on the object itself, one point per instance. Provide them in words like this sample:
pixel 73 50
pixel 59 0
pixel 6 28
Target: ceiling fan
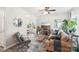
pixel 48 10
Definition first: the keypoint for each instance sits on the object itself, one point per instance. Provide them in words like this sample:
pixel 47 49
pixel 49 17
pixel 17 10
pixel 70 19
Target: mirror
pixel 17 22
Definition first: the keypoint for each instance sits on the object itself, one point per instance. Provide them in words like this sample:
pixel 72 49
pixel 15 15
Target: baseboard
pixel 11 45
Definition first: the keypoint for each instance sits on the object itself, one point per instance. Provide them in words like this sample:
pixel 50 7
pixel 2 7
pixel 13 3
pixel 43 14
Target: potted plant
pixel 69 26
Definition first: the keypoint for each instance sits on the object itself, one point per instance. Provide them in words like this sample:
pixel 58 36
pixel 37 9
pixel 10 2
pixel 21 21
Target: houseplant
pixel 69 26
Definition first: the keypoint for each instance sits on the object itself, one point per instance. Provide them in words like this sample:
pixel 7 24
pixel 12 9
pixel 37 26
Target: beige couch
pixel 65 43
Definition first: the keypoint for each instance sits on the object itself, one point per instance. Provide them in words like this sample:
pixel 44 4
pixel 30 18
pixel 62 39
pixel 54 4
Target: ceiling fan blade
pixel 52 10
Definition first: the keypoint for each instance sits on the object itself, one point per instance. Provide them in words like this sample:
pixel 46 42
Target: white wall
pixel 2 42
pixel 10 29
pixel 51 17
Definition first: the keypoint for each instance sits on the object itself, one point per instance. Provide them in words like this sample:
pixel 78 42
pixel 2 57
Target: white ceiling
pixel 35 10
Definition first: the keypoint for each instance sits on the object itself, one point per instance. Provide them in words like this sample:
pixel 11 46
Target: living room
pixel 39 29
